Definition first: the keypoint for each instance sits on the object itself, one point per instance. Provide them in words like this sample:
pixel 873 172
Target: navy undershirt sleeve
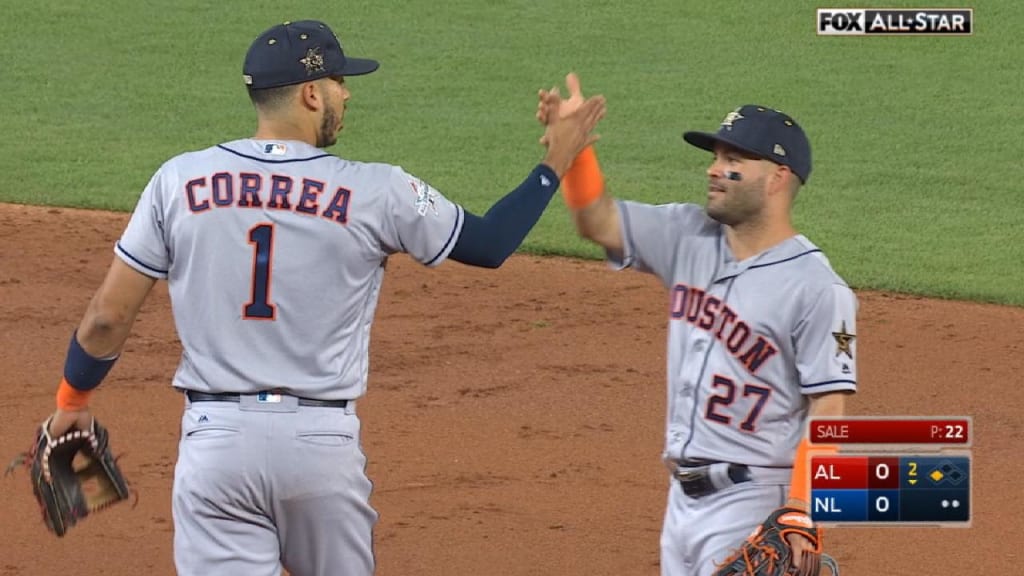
pixel 489 240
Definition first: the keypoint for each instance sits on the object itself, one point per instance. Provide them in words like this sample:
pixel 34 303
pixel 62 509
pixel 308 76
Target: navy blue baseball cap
pixel 764 133
pixel 296 52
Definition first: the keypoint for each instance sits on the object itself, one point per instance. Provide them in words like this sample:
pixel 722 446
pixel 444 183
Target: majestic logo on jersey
pixel 314 60
pixel 731 117
pixel 708 312
pixel 426 198
pixel 844 341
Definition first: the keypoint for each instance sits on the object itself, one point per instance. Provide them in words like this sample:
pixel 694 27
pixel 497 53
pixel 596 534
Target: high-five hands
pixel 551 105
pixel 568 123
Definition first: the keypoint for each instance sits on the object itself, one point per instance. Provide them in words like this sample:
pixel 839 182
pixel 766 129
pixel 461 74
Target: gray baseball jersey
pixel 274 253
pixel 747 340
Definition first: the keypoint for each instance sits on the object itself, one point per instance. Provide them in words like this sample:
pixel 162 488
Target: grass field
pixel 918 171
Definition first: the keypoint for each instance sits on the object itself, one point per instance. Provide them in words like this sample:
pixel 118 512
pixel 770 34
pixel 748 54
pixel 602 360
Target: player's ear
pixel 780 179
pixel 311 96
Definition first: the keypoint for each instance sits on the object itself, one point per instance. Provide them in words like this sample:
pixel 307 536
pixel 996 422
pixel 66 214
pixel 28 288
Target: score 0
pixel 891 430
pixel 884 489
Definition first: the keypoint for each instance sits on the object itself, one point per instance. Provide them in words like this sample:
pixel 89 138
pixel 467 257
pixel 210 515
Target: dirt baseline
pixel 513 421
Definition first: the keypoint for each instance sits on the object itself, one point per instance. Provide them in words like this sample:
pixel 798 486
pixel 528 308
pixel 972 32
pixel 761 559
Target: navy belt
pixel 194 396
pixel 696 480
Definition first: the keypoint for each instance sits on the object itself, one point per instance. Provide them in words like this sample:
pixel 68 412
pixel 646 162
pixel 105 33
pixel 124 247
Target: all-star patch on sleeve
pixel 423 222
pixel 826 342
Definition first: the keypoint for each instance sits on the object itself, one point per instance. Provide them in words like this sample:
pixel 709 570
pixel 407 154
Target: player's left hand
pixel 73 473
pixel 786 543
pixel 805 559
pixel 62 421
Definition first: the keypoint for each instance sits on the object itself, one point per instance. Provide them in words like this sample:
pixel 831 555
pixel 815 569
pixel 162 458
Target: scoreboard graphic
pixel 891 471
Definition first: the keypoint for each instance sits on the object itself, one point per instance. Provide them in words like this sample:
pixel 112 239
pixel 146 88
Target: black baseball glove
pixel 766 552
pixel 73 475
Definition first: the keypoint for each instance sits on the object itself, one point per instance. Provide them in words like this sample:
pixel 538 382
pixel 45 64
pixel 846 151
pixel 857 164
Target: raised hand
pixel 550 104
pixel 568 128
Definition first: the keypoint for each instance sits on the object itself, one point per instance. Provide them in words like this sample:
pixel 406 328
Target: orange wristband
pixel 71 399
pixel 584 182
pixel 800 484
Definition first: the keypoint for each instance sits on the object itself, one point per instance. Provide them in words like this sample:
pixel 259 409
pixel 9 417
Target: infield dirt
pixel 513 421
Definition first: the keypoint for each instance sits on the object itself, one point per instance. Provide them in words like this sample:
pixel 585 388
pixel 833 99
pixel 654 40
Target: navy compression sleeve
pixel 488 241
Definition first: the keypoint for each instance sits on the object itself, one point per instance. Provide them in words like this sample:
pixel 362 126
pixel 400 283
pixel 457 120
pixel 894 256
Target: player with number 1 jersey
pixel 274 252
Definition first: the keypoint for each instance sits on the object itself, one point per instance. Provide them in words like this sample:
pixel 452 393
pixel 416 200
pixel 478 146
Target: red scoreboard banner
pixel 954 431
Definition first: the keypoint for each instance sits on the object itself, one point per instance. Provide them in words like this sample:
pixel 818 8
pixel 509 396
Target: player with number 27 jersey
pixel 747 339
pixel 761 336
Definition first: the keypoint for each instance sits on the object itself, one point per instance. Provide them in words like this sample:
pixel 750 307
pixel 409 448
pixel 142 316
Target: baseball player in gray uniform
pixel 274 253
pixel 760 329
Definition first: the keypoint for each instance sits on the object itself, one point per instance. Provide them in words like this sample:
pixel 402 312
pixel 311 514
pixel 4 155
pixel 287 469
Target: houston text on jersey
pixel 710 313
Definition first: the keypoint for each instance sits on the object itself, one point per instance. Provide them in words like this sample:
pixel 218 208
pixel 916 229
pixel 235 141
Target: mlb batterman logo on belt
pixel 895 22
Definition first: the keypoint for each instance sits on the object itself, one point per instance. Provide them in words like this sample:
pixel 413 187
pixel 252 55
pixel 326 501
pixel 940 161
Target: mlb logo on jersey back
pixel 895 21
pixel 275 149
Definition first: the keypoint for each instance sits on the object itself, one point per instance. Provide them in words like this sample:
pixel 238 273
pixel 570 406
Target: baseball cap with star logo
pixel 763 132
pixel 295 52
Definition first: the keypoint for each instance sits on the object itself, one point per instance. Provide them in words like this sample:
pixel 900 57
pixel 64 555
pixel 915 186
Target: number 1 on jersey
pixel 259 307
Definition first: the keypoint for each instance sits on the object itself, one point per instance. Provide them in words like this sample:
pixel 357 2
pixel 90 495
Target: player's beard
pixel 740 202
pixel 329 125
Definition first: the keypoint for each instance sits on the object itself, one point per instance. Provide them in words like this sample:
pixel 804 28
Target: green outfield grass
pixel 917 178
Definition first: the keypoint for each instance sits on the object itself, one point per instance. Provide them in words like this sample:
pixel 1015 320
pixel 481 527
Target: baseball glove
pixel 73 475
pixel 766 552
